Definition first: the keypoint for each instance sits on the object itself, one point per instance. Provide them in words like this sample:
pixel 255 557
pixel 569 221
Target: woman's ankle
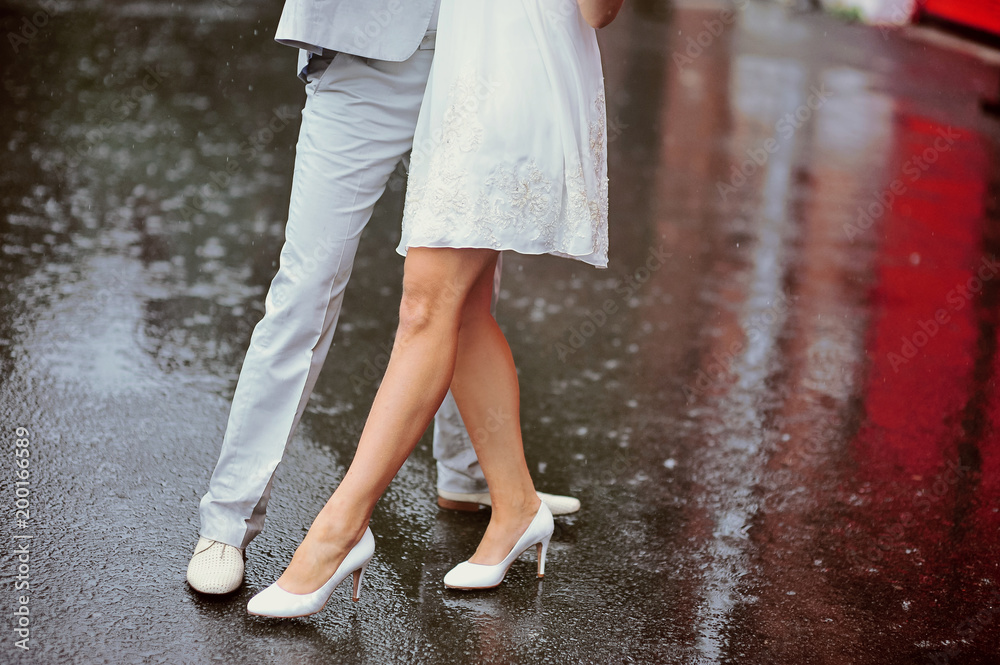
pixel 340 527
pixel 515 506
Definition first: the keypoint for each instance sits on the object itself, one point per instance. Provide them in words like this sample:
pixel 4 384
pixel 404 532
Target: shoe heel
pixel 359 575
pixel 541 549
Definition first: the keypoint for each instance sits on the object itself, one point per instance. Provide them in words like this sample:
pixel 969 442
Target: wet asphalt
pixel 779 405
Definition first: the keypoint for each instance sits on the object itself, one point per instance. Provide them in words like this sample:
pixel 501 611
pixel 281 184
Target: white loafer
pixel 215 567
pixel 276 602
pixel 470 576
pixel 557 503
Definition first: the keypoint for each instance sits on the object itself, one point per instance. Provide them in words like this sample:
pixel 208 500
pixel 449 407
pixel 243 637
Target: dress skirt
pixel 510 149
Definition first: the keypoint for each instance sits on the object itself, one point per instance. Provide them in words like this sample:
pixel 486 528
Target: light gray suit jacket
pixel 378 29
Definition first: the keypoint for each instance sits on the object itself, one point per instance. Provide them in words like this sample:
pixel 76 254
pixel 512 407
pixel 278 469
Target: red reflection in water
pixel 931 411
pixel 922 342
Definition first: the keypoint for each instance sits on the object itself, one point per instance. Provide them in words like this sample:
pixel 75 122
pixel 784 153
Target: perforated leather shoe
pixel 215 567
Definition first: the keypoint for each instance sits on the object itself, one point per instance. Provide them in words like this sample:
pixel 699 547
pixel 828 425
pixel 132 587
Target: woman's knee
pixel 436 287
pixel 416 312
pixel 426 303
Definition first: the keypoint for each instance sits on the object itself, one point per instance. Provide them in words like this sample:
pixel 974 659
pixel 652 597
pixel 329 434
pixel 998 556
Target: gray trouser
pixel 357 124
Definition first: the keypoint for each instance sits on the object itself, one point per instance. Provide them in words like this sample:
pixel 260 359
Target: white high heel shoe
pixel 276 602
pixel 469 576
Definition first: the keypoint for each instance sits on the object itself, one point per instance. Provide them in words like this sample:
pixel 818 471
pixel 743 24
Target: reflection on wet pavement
pixel 779 406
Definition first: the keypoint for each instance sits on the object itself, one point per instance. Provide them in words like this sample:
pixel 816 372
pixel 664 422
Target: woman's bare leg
pixel 486 391
pixel 436 284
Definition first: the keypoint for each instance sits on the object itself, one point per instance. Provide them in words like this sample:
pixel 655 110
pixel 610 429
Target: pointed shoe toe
pixel 468 576
pixel 276 602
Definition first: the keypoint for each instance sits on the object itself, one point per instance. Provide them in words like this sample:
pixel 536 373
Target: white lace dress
pixel 510 150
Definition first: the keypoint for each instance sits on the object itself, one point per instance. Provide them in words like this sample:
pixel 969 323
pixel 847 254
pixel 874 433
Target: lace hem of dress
pixel 516 199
